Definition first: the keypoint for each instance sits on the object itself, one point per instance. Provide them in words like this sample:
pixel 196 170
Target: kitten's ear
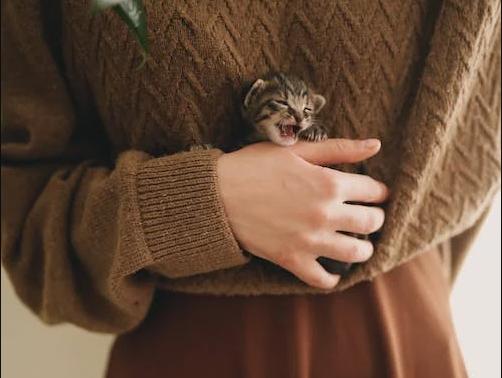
pixel 257 86
pixel 319 102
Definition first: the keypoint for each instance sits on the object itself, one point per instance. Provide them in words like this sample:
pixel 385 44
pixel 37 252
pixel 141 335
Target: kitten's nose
pixel 298 118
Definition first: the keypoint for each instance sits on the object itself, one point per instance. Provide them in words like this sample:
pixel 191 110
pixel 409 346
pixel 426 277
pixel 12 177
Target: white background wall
pixel 475 301
pixel 31 350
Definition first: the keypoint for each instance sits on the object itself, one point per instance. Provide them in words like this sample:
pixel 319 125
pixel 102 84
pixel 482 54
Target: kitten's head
pixel 281 106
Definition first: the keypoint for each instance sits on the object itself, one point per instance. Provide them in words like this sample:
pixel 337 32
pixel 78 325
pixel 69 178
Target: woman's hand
pixel 285 207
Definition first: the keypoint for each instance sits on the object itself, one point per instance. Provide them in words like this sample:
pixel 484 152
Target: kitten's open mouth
pixel 289 130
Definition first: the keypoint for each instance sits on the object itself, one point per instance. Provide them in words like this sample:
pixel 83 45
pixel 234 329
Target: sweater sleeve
pixel 81 235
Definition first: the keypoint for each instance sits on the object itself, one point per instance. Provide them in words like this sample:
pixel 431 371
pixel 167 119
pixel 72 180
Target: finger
pixel 342 247
pixel 312 273
pixel 335 151
pixel 360 188
pixel 358 219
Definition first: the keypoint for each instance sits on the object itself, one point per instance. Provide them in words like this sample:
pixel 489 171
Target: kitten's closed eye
pixel 281 102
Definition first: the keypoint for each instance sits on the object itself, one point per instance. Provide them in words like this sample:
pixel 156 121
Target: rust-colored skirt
pixel 399 325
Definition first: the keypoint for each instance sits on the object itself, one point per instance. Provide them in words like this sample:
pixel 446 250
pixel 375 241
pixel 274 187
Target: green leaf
pixel 103 4
pixel 134 14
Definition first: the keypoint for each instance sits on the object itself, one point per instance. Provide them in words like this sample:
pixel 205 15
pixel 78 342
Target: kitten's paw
pixel 314 134
pixel 198 147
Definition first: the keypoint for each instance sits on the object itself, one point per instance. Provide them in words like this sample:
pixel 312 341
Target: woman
pixel 108 225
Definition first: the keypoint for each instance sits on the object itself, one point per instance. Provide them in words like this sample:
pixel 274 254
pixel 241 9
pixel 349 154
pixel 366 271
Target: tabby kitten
pixel 282 109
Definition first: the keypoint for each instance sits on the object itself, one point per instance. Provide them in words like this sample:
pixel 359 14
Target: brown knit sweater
pixel 100 206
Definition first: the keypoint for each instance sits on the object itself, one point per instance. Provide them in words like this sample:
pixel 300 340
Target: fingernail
pixel 371 143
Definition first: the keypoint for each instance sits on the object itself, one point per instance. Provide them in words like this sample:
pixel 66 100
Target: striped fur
pixel 282 109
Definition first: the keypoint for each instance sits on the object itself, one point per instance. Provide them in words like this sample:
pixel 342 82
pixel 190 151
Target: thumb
pixel 335 151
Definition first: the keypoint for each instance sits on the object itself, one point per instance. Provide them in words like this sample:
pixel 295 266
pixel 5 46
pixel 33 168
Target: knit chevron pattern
pixel 350 52
pixel 423 76
pixel 454 169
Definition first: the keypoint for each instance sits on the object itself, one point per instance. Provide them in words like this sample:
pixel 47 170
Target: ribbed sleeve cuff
pixel 182 216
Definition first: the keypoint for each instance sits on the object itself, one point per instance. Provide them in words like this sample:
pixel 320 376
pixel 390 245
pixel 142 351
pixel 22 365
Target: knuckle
pixel 320 217
pixel 341 145
pixel 306 241
pixel 331 185
pixel 291 259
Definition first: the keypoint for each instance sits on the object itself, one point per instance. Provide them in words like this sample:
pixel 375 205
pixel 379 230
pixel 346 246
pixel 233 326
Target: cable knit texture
pixel 102 200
